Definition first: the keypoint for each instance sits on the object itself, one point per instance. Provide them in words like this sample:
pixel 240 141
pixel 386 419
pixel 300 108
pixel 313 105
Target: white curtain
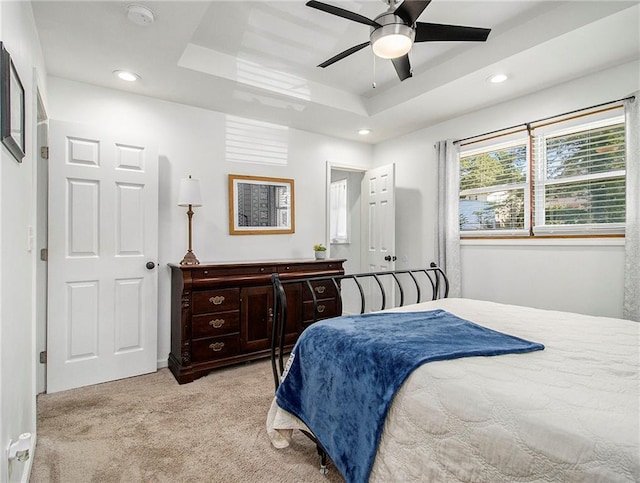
pixel 448 240
pixel 632 229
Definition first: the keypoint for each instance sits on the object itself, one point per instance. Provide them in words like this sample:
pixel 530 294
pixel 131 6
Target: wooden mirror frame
pixel 237 183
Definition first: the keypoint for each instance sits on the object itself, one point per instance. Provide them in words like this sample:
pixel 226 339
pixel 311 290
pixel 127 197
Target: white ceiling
pixel 258 59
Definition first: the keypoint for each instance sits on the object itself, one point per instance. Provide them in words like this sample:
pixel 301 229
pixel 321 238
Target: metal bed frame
pixel 422 280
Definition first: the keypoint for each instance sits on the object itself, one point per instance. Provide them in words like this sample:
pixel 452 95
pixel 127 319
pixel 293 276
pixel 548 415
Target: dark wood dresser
pixel 222 313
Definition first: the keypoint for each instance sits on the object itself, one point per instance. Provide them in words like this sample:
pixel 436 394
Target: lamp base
pixel 190 259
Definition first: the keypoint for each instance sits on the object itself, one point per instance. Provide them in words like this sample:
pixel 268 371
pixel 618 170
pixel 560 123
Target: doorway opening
pixel 344 215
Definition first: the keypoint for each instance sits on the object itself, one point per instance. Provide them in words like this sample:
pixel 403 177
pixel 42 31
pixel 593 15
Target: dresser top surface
pixel 246 263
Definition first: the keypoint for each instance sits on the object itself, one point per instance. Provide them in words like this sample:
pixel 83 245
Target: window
pixel 580 179
pixel 338 232
pixel 494 189
pixel 565 177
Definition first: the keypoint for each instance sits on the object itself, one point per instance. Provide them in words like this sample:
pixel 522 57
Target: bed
pixel 569 412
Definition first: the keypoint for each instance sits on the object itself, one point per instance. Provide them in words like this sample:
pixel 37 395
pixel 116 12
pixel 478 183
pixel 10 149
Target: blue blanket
pixel 343 374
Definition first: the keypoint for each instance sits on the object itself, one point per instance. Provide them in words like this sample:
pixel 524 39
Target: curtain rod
pixel 525 124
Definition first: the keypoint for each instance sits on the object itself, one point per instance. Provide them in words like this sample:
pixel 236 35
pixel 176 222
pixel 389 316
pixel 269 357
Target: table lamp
pixel 190 196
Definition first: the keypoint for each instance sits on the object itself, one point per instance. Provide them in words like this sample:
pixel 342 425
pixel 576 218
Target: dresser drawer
pixel 310 268
pixel 326 308
pixel 215 347
pixel 221 300
pixel 323 289
pixel 205 273
pixel 218 323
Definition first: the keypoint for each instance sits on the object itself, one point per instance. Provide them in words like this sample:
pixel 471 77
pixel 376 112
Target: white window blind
pixel 580 177
pixel 494 190
pixel 563 176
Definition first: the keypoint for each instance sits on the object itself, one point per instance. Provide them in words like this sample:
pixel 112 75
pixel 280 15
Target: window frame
pixel 536 180
pixel 541 182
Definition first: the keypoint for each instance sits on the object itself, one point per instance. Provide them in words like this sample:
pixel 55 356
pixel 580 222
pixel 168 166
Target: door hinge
pixel 44 152
pixel 44 254
pixel 43 357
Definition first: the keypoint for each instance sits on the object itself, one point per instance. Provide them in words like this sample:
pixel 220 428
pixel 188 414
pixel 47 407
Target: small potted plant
pixel 320 251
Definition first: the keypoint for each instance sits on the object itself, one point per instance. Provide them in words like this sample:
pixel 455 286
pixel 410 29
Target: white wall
pixel 192 141
pixel 555 275
pixel 17 213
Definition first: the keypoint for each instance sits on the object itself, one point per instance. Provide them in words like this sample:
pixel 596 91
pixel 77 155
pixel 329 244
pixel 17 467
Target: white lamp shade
pixel 189 192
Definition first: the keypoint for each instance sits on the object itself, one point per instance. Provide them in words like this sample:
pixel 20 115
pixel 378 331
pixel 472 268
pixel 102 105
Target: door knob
pixel 389 258
pixel 150 265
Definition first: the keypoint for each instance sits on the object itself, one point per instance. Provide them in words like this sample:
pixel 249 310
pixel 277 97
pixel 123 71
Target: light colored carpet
pixel 151 429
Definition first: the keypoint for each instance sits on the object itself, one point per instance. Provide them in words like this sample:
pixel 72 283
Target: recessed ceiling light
pixel 498 78
pixel 364 132
pixel 126 76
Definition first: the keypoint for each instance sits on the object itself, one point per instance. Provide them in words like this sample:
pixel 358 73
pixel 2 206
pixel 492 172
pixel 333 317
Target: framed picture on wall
pixel 260 206
pixel 11 106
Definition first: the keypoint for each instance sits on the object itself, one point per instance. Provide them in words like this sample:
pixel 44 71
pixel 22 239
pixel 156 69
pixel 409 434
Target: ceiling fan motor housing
pixel 395 33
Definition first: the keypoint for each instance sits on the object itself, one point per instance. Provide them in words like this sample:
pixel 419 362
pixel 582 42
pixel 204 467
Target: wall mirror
pixel 260 206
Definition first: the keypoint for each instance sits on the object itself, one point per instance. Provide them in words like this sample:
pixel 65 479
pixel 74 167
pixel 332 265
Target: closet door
pixel 103 251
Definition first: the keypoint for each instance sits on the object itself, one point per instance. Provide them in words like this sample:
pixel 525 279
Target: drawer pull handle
pixel 216 323
pixel 320 289
pixel 217 300
pixel 216 346
pixel 321 308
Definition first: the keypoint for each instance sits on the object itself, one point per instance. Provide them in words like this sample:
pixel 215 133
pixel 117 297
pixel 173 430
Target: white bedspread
pixel 569 413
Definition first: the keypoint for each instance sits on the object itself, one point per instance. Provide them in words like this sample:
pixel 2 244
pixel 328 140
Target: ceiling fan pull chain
pixel 373 83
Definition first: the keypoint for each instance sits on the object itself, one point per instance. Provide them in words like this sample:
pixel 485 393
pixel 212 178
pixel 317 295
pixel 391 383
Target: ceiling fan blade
pixel 341 12
pixel 344 54
pixel 410 10
pixel 434 32
pixel 402 66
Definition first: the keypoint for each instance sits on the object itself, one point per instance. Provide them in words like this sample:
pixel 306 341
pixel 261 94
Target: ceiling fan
pixel 394 32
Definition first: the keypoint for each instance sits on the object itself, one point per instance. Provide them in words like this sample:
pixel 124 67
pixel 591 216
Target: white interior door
pixel 379 216
pixel 103 232
pixel 379 225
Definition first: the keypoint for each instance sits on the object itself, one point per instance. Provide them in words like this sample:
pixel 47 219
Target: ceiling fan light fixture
pixel 392 41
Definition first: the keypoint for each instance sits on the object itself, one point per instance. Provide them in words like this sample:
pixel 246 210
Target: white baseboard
pixel 162 363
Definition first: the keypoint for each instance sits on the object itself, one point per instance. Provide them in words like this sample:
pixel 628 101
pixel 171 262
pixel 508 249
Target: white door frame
pixel 41 182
